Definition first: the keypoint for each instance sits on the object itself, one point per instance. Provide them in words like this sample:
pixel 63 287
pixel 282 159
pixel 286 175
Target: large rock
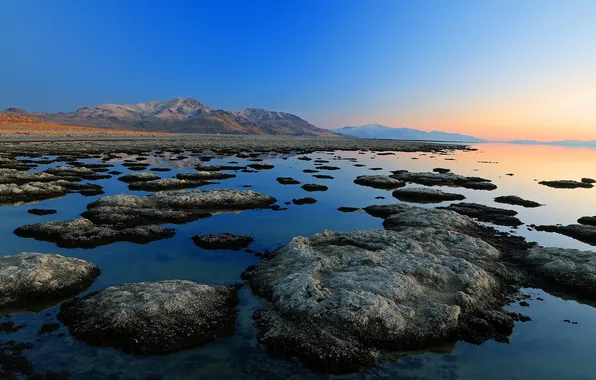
pixel 582 232
pixel 11 194
pixel 444 179
pixel 425 195
pixel 337 298
pixel 570 269
pixel 13 176
pixel 517 201
pixel 488 214
pixel 152 317
pixel 83 233
pixel 32 281
pixel 566 184
pixel 379 181
pixel 587 220
pixel 172 207
pixel 76 173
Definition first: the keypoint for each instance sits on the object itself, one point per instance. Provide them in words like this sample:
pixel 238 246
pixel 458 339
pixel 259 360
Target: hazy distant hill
pixel 183 115
pixel 571 143
pixel 382 132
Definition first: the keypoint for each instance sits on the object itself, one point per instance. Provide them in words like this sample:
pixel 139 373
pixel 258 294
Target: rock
pixel 418 217
pixel 581 232
pixel 204 175
pixel 338 298
pixel 588 180
pixel 310 171
pixel 322 176
pixel 375 169
pixel 383 211
pixel 13 176
pixel 566 184
pixel 314 187
pixel 568 269
pixel 139 177
pixel 304 201
pixel 217 168
pixel 152 317
pixel 588 220
pixel 515 200
pixel 441 170
pixel 261 166
pixel 167 184
pixel 32 281
pixel 9 327
pixel 425 195
pixel 48 328
pixel 327 167
pixel 11 194
pixel 75 173
pixel 83 233
pixel 127 210
pixel 347 209
pixel 160 169
pixel 304 158
pixel 379 181
pixel 287 181
pixel 488 214
pixel 444 179
pixel 41 211
pixel 222 241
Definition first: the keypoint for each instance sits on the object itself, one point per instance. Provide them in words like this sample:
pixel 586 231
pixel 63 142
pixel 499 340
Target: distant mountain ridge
pixel 181 115
pixel 382 132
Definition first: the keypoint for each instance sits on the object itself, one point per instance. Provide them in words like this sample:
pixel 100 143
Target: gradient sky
pixel 502 69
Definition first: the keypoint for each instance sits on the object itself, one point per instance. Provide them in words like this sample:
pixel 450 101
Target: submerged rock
pixel 31 281
pixel 222 241
pixel 304 201
pixel 338 298
pixel 566 184
pixel 444 179
pixel 322 176
pixel 581 232
pixel 217 168
pixel 172 207
pixel 347 209
pixel 425 195
pixel 204 175
pixel 379 181
pixel 588 220
pixel 83 233
pixel 261 166
pixel 287 181
pixel 167 184
pixel 314 187
pixel 41 211
pixel 515 200
pixel 383 211
pixel 138 177
pixel 152 317
pixel 489 214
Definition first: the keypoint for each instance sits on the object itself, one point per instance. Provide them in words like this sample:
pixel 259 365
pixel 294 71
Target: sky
pixel 495 69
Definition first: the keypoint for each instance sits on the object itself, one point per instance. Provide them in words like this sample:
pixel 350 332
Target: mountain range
pixel 181 115
pixel 382 132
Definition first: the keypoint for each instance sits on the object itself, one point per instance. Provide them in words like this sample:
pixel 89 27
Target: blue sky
pixel 490 68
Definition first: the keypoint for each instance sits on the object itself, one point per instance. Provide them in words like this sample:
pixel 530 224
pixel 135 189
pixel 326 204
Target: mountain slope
pixel 382 132
pixel 181 115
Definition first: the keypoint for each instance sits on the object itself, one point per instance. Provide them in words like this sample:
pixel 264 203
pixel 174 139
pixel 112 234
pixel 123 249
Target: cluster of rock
pixel 127 217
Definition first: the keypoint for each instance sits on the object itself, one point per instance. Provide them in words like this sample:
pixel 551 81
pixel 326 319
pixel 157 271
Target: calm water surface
pixel 546 348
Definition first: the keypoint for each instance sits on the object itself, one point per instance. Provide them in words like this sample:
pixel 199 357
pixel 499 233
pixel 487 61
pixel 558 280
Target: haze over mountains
pixel 181 115
pixel 382 132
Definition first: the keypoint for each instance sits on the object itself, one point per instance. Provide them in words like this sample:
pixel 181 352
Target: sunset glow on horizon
pixel 497 70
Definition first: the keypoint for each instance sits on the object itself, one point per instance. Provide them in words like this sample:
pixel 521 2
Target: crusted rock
pixel 517 201
pixel 138 177
pixel 287 181
pixel 204 175
pixel 314 187
pixel 167 184
pixel 83 233
pixel 152 317
pixel 484 213
pixel 379 181
pixel 566 184
pixel 383 211
pixel 582 232
pixel 444 179
pixel 32 281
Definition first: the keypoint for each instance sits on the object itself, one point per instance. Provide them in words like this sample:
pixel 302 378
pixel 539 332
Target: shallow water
pixel 546 348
